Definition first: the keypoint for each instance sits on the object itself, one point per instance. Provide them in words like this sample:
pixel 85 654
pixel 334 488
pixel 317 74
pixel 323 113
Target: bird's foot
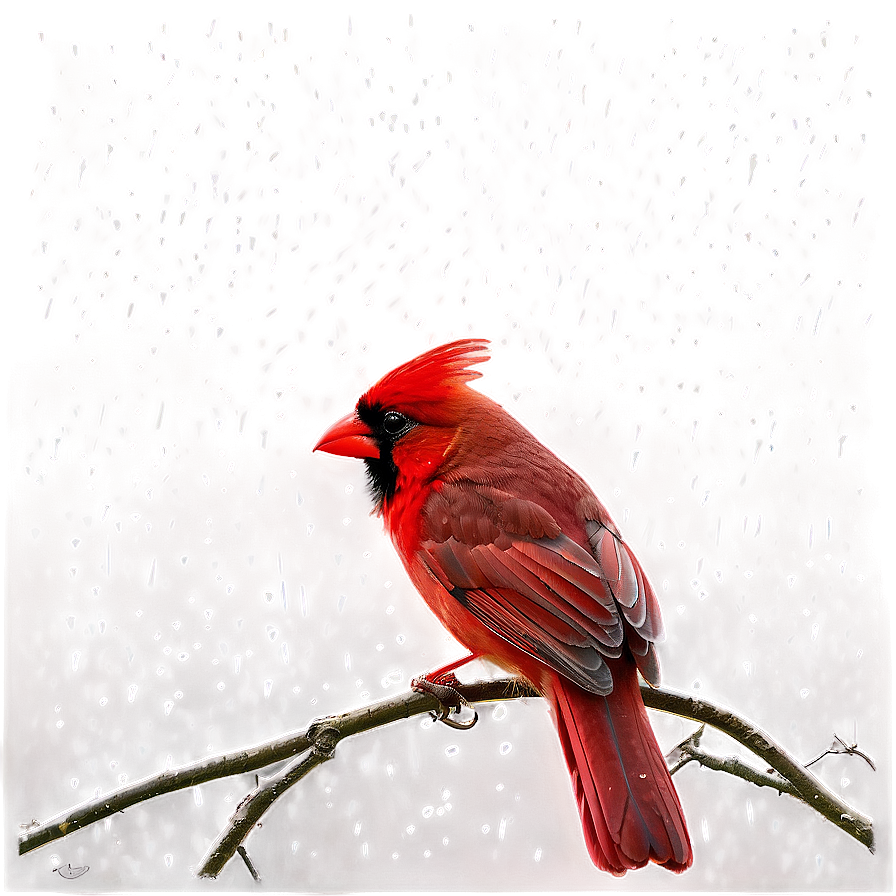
pixel 444 688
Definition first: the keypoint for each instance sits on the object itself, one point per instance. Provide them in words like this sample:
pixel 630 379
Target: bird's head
pixel 404 425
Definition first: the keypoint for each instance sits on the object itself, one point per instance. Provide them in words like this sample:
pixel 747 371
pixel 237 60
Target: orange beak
pixel 349 437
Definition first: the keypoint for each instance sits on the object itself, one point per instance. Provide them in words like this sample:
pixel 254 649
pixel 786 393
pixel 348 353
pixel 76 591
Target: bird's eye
pixel 394 424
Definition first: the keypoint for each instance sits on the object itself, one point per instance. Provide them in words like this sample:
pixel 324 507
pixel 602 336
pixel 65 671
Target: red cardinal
pixel 523 565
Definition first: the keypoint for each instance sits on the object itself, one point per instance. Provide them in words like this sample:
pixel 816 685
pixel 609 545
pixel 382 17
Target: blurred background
pixel 237 221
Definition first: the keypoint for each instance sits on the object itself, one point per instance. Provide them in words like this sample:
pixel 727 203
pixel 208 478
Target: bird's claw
pixel 460 726
pixel 450 700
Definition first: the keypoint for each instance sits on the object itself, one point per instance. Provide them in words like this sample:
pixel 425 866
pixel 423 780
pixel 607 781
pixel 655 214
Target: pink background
pixel 231 224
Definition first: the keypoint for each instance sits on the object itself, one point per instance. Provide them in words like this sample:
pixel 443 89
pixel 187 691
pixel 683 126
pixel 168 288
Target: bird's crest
pixel 431 378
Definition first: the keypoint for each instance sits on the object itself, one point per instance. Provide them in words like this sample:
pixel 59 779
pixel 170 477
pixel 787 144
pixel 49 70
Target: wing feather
pixel 507 561
pixel 594 605
pixel 627 581
pixel 503 574
pixel 563 597
pixel 502 614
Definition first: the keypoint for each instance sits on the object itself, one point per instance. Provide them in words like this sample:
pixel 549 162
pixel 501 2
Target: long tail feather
pixel 629 808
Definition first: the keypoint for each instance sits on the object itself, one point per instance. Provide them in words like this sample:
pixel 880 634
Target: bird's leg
pixel 442 684
pixel 445 671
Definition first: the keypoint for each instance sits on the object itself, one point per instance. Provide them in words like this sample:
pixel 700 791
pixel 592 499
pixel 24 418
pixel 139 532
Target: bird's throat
pixel 382 480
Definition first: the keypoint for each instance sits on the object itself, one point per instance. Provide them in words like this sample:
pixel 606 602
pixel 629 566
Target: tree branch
pixel 689 751
pixel 248 813
pixel 243 761
pixel 805 785
pixel 316 744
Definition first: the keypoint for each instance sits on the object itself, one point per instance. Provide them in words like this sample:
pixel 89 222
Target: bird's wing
pixel 506 560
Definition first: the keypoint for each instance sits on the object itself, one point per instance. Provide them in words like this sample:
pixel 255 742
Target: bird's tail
pixel 629 808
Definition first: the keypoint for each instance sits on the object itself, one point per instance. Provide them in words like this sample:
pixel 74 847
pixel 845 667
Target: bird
pixel 523 565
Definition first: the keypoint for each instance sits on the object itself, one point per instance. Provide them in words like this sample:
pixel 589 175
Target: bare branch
pixel 242 761
pixel 250 810
pixel 317 743
pixel 806 786
pixel 689 751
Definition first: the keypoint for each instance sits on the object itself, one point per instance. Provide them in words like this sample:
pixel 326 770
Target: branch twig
pixel 317 743
pixel 689 751
pixel 841 746
pixel 241 851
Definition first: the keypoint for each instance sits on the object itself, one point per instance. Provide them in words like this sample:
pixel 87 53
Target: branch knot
pixel 323 737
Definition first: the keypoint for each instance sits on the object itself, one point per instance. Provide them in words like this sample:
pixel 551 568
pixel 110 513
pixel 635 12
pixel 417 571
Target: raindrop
pixel 754 167
pixel 840 441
